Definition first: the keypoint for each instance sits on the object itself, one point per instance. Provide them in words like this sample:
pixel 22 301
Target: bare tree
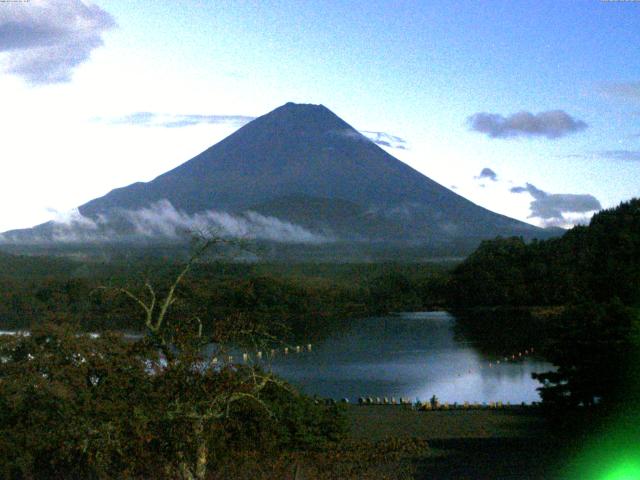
pixel 201 398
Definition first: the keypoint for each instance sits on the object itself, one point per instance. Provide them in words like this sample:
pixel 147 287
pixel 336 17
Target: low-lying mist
pixel 162 221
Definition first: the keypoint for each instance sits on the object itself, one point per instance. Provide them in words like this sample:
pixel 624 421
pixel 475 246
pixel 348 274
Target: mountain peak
pixel 306 113
pixel 303 106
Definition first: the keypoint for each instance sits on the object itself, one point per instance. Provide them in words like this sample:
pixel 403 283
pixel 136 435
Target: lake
pixel 413 355
pixel 408 355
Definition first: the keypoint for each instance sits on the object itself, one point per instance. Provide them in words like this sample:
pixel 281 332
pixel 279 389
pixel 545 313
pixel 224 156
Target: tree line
pixel 598 262
pixel 309 301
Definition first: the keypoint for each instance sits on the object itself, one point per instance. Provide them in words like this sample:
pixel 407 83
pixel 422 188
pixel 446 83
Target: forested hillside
pixel 591 276
pixel 597 262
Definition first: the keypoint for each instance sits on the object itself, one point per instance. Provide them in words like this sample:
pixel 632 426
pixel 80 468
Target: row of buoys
pixel 246 357
pixel 436 405
pixel 383 401
pixel 514 356
pixel 427 406
pixel 505 359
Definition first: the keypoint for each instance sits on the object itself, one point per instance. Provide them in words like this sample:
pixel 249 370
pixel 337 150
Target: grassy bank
pixel 378 422
pixel 481 444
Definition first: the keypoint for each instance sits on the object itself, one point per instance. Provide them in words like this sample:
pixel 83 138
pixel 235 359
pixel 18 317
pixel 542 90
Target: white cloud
pixel 45 40
pixel 487 173
pixel 162 220
pixel 151 119
pixel 386 139
pixel 552 124
pixel 558 209
pixel 625 91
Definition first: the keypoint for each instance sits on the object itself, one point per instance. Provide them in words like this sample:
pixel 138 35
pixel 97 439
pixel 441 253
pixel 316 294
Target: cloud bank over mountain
pixel 386 139
pixel 379 138
pixel 162 221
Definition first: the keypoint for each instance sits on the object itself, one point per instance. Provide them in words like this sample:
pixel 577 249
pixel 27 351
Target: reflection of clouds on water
pixel 409 355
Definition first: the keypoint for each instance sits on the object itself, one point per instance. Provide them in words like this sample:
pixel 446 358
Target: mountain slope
pixel 306 150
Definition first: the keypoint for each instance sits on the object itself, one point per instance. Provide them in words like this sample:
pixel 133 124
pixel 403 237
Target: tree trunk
pixel 186 472
pixel 202 452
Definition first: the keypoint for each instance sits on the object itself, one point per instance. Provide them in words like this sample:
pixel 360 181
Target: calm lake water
pixel 412 355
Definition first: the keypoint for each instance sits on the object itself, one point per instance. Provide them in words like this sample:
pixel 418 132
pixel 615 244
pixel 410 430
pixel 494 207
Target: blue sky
pixel 543 94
